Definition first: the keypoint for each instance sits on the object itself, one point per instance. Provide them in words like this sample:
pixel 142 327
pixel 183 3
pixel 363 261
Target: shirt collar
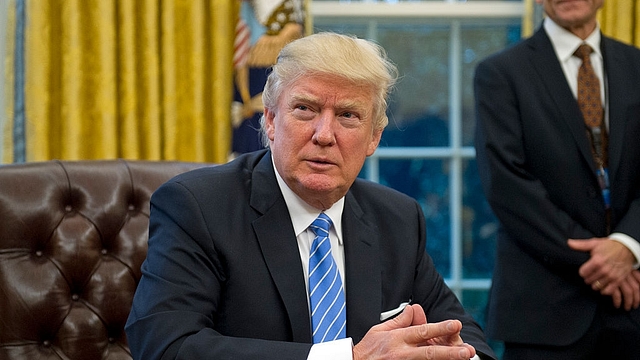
pixel 303 214
pixel 565 43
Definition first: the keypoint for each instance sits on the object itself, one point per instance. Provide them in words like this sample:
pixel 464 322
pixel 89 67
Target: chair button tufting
pixel 46 343
pixel 132 207
pixel 104 251
pixel 68 208
pixel 75 297
pixel 39 253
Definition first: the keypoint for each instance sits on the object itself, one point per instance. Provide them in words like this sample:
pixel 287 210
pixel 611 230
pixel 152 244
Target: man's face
pixel 573 15
pixel 320 134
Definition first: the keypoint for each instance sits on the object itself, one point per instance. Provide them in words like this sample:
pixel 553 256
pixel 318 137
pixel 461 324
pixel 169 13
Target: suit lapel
pixel 545 61
pixel 279 246
pixel 276 237
pixel 362 268
pixel 617 97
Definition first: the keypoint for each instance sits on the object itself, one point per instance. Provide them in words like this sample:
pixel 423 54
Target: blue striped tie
pixel 326 295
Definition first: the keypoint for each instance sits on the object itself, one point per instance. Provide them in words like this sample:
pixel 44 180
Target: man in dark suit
pixel 229 248
pixel 565 284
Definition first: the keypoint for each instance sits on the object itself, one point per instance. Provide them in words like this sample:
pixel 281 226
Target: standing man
pixel 558 149
pixel 283 253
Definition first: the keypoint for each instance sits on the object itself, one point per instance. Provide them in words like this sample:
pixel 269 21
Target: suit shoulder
pixel 625 52
pixel 620 45
pixel 519 53
pixel 224 176
pixel 512 55
pixel 379 194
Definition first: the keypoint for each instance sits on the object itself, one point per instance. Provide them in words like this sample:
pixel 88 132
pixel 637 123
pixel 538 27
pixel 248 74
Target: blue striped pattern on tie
pixel 326 294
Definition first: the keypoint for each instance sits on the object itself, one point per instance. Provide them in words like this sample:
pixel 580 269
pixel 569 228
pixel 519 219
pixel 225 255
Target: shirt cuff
pixel 630 243
pixel 335 350
pixel 476 357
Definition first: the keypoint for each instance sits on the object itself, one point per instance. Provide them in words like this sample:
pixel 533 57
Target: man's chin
pixel 320 184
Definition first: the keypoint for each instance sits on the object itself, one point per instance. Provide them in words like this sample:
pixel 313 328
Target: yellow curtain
pixel 528 18
pixel 137 79
pixel 621 19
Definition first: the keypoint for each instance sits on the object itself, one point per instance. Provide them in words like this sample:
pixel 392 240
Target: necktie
pixel 326 294
pixel 591 105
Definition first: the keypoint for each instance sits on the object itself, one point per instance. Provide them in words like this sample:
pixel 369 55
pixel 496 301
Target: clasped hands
pixel 409 336
pixel 610 270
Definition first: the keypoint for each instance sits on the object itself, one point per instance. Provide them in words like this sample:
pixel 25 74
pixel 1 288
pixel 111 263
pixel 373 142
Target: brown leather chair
pixel 73 235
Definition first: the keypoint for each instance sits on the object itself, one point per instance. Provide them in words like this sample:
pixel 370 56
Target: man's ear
pixel 269 123
pixel 375 141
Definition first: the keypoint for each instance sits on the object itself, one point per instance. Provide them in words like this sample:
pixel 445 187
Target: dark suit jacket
pixel 223 277
pixel 538 174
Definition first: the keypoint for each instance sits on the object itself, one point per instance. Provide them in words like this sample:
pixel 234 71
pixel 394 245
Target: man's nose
pixel 324 131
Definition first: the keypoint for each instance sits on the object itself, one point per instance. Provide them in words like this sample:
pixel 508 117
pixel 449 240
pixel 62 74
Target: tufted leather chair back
pixel 72 238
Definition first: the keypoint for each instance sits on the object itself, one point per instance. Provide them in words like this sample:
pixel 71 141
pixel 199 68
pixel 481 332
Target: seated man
pixel 284 253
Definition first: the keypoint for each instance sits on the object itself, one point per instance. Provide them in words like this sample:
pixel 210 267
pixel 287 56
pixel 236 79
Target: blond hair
pixel 357 60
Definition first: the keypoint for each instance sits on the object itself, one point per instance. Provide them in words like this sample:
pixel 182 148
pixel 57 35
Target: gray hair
pixel 357 60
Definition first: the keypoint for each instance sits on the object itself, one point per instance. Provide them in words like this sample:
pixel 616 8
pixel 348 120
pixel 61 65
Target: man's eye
pixel 348 115
pixel 302 107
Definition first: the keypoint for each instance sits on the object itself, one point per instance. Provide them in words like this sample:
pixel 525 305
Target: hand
pixel 629 291
pixel 409 336
pixel 609 265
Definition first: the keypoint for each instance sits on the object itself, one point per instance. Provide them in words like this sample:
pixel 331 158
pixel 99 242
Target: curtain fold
pixel 8 86
pixel 621 19
pixel 143 79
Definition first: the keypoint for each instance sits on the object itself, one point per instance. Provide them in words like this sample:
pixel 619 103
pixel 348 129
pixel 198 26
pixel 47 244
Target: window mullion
pixel 455 135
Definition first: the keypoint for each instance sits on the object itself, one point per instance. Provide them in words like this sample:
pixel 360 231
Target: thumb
pixel 403 320
pixel 419 317
pixel 582 245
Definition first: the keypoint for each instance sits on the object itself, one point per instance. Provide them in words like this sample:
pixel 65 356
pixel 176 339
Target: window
pixel 427 149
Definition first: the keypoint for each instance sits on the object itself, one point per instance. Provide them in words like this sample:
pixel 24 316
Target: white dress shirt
pixel 302 215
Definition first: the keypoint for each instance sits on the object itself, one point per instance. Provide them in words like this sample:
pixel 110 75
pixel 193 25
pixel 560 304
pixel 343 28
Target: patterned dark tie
pixel 326 294
pixel 591 105
pixel 593 113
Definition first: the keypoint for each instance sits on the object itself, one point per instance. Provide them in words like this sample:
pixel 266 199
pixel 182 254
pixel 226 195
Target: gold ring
pixel 598 285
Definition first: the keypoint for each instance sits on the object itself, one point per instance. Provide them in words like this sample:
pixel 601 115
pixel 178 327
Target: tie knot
pixel 321 225
pixel 583 52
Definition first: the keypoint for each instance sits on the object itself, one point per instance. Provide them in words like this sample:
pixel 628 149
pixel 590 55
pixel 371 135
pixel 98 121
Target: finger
pixel 594 270
pixel 464 351
pixel 617 298
pixel 627 295
pixel 610 288
pixel 581 245
pixel 419 317
pixel 635 288
pixel 589 271
pixel 403 320
pixel 597 285
pixel 423 333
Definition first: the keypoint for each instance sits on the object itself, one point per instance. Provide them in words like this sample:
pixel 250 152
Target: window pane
pixel 420 103
pixel 475 302
pixel 479 227
pixel 478 42
pixel 427 181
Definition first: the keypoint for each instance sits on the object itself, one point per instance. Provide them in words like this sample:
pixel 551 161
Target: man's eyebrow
pixel 345 104
pixel 302 97
pixel 351 104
